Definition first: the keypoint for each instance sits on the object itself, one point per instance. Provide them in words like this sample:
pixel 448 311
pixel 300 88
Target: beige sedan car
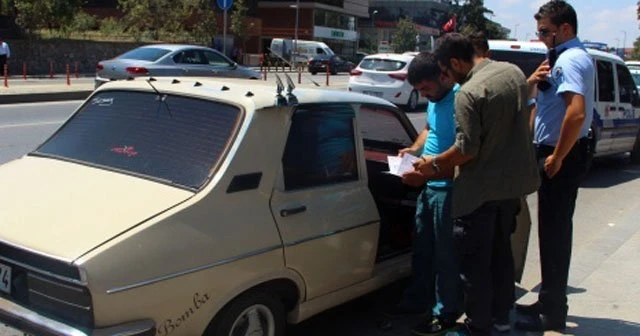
pixel 195 207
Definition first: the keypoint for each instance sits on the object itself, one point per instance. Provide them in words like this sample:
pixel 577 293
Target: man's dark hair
pixel 454 45
pixel 480 42
pixel 558 12
pixel 423 67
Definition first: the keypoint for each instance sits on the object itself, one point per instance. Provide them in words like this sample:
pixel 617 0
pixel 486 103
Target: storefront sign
pixel 334 33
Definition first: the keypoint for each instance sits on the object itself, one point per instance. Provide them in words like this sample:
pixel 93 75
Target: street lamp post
pixel 515 32
pixel 624 42
pixel 295 33
pixel 373 18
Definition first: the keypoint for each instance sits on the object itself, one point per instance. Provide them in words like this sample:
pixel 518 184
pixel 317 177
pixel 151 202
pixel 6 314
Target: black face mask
pixel 552 57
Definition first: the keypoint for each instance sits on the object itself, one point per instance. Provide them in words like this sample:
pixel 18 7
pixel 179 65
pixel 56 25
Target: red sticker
pixel 126 150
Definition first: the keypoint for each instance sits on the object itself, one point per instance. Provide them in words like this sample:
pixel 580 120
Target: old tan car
pixel 194 207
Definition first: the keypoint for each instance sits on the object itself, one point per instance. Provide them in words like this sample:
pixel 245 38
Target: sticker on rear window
pixel 102 101
pixel 129 151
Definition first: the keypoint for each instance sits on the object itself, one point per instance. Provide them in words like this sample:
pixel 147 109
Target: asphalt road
pixel 607 208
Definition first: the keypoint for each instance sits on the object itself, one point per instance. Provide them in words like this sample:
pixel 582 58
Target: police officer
pixel 563 115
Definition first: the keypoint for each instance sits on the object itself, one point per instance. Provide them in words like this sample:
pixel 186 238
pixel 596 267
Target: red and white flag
pixel 450 26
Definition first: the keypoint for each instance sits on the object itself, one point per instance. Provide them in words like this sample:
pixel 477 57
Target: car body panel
pixel 380 84
pixel 178 257
pixel 179 60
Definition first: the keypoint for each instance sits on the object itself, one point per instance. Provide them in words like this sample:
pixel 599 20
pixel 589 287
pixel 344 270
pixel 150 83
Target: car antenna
pixel 163 97
pixel 291 98
pixel 280 99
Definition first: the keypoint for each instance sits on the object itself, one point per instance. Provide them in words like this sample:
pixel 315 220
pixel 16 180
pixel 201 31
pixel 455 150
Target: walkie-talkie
pixel 552 57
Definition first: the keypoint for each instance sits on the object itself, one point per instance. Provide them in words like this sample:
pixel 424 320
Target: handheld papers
pixel 400 165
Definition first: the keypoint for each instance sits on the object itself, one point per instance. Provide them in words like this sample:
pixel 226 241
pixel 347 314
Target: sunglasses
pixel 544 32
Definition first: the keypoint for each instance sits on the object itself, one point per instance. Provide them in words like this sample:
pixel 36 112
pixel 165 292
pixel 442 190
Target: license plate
pixel 373 93
pixel 5 278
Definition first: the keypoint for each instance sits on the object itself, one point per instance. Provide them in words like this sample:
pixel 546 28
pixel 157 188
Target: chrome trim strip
pixel 328 234
pixel 59 300
pixel 31 322
pixel 192 270
pixel 47 273
pixel 39 278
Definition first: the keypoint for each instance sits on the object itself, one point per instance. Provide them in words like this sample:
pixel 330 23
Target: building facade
pixel 427 15
pixel 334 22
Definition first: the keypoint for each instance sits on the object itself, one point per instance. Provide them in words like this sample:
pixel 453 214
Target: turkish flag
pixel 450 26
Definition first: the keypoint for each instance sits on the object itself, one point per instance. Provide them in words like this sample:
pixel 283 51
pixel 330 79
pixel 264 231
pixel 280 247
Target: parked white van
pixel 616 121
pixel 304 50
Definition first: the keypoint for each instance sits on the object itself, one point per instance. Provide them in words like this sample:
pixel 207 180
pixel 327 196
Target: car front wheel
pixel 412 103
pixel 253 313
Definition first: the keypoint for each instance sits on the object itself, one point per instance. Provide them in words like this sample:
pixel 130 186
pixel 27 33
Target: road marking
pixel 32 124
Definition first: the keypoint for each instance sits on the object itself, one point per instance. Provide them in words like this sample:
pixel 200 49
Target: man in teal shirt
pixel 436 285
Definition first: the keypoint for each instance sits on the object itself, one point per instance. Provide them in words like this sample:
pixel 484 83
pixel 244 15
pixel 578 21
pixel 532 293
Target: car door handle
pixel 292 211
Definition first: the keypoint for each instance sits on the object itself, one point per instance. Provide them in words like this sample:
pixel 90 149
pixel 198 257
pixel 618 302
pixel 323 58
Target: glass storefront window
pixel 334 20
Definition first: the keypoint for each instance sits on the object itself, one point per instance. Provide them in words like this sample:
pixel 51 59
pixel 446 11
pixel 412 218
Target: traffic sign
pixel 224 4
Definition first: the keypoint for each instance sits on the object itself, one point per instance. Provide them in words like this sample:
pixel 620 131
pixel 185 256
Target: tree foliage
pixel 635 54
pixel 239 24
pixel 31 15
pixel 472 17
pixel 404 38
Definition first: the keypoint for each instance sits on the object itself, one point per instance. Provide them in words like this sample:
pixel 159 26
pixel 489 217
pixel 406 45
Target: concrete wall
pixel 38 55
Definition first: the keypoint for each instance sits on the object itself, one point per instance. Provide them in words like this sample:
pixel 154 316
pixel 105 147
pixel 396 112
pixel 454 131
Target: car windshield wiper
pixel 162 97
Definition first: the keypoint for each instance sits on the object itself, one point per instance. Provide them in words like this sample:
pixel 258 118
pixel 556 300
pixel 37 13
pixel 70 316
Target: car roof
pixel 174 47
pixel 236 91
pixel 541 48
pixel 392 56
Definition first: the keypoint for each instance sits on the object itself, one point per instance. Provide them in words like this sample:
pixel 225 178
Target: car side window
pixel 321 147
pixel 382 131
pixel 214 58
pixel 188 56
pixel 319 51
pixel 628 89
pixel 606 88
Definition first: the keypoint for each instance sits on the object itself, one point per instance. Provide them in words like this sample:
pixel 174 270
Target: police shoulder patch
pixel 558 74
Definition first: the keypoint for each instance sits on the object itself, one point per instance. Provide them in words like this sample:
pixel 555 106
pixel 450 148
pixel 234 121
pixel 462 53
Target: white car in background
pixel 385 76
pixel 634 68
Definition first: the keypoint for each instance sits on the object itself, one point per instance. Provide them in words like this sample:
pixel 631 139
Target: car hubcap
pixel 257 320
pixel 413 102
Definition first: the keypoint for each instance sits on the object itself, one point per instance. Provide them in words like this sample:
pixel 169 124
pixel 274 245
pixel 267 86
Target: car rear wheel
pixel 412 103
pixel 313 73
pixel 253 313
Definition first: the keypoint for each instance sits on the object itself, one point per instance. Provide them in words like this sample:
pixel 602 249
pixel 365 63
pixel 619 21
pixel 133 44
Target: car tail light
pixel 99 66
pixel 399 76
pixel 355 72
pixel 325 62
pixel 137 70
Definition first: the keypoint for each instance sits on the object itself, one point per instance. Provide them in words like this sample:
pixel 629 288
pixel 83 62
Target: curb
pixel 43 97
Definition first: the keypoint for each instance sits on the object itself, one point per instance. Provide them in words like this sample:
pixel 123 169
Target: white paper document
pixel 400 165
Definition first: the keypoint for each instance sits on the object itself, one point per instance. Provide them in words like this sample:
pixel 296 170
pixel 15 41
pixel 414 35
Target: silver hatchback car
pixel 171 60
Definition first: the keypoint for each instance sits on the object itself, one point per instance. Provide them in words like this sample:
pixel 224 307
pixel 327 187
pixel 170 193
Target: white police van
pixel 616 121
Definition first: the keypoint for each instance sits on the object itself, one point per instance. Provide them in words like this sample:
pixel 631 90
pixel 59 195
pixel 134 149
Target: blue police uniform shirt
pixel 572 72
pixel 442 130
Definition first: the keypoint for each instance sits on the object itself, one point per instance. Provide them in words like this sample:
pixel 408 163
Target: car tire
pixel 412 102
pixel 257 312
pixel 313 73
pixel 333 72
pixel 635 152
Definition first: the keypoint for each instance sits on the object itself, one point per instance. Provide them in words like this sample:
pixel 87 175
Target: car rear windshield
pixel 166 138
pixel 381 64
pixel 145 54
pixel 528 62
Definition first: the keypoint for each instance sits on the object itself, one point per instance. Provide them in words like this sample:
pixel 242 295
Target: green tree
pixel 205 28
pixel 155 17
pixel 239 25
pixel 32 15
pixel 404 38
pixel 635 54
pixel 472 17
